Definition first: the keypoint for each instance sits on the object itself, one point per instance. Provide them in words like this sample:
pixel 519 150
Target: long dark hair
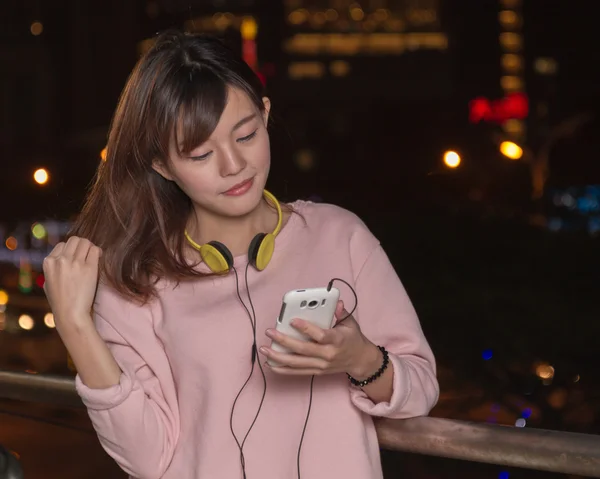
pixel 131 212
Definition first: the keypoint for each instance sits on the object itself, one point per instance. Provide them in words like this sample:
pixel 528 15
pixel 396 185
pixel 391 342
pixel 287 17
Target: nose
pixel 232 162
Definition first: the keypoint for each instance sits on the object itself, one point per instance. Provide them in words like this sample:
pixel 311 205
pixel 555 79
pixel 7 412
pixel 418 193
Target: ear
pixel 161 169
pixel 267 110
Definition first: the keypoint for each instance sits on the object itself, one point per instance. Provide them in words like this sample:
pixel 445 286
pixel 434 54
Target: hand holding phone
pixel 316 305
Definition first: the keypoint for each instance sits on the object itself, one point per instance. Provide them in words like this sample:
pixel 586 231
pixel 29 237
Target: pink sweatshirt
pixel 185 356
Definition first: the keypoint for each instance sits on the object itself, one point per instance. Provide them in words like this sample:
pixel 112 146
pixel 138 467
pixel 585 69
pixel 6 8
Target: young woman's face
pixel 226 175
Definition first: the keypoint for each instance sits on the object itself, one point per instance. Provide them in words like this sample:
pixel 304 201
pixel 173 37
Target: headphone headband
pixel 269 196
pixel 218 257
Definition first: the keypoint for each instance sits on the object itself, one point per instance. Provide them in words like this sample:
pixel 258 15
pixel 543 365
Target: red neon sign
pixel 515 106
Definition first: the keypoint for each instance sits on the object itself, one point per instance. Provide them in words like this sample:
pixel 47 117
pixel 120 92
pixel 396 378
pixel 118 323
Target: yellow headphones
pixel 219 259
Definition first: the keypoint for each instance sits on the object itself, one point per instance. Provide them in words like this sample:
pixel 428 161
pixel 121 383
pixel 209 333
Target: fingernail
pixel 269 332
pixel 263 350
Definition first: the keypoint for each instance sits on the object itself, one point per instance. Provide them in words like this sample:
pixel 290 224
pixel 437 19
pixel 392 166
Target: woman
pixel 170 341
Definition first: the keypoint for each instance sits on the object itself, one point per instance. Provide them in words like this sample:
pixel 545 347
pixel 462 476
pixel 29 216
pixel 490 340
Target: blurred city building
pixel 368 95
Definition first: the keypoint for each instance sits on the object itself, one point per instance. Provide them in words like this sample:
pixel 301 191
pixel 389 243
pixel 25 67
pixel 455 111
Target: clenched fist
pixel 71 273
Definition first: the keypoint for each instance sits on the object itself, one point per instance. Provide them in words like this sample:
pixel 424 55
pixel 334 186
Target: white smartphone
pixel 316 305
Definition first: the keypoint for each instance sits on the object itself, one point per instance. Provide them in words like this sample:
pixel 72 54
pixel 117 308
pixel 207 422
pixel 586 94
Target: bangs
pixel 200 104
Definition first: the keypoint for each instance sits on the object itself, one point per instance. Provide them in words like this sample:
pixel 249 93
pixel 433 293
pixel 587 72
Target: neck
pixel 235 233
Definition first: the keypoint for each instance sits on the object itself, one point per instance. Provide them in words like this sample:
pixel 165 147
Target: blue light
pixel 554 224
pixel 503 475
pixel 487 354
pixel 526 413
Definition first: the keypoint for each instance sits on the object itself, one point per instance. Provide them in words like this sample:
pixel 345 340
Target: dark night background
pixel 504 275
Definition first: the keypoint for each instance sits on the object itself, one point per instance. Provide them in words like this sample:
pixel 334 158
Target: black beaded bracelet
pixel 370 379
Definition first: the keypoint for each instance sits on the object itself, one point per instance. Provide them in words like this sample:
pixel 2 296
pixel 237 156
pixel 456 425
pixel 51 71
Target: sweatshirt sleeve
pixel 388 318
pixel 137 420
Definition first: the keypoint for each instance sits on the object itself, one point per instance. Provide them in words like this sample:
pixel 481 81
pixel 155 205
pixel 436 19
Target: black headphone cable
pixel 312 379
pixel 252 317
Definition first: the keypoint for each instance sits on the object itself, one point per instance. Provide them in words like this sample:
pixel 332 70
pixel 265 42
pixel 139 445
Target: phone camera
pixel 313 304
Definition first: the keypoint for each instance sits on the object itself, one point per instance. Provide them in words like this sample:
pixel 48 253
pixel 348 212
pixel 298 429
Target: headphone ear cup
pixel 217 257
pixel 261 250
pixel 254 247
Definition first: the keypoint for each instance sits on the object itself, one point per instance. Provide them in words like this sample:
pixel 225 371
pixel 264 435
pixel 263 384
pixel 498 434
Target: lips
pixel 240 187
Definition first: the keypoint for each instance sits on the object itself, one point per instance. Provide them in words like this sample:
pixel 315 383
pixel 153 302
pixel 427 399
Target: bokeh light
pixel 511 150
pixel 49 320
pixel 11 243
pixel 544 371
pixel 452 159
pixel 41 176
pixel 38 231
pixel 26 322
pixel 36 28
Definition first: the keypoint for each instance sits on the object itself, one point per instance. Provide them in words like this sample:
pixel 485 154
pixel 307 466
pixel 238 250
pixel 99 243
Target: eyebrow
pixel 243 121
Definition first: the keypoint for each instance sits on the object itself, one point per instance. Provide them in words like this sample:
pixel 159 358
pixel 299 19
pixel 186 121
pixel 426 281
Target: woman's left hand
pixel 343 349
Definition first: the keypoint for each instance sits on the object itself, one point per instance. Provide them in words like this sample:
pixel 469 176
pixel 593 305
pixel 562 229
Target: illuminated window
pixel 512 63
pixel 339 68
pixel 36 28
pixel 305 44
pixel 318 19
pixel 372 43
pixel 369 25
pixel 331 15
pixel 381 14
pixel 395 25
pixel 219 21
pixel 298 17
pixel 298 70
pixel 385 42
pixel 509 19
pixel 305 159
pixel 356 13
pixel 421 16
pixel 437 41
pixel 345 44
pixel 515 128
pixel 511 83
pixel 511 41
pixel 545 66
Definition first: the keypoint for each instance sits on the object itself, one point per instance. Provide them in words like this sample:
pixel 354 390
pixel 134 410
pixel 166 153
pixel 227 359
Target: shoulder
pixel 117 310
pixel 328 216
pixel 337 227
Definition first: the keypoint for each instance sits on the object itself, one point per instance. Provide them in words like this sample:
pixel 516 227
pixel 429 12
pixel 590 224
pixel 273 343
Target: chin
pixel 243 205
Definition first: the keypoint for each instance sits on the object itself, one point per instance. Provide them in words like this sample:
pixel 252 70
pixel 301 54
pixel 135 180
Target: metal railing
pixel 538 449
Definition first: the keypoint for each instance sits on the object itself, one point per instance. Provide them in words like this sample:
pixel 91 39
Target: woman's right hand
pixel 71 278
